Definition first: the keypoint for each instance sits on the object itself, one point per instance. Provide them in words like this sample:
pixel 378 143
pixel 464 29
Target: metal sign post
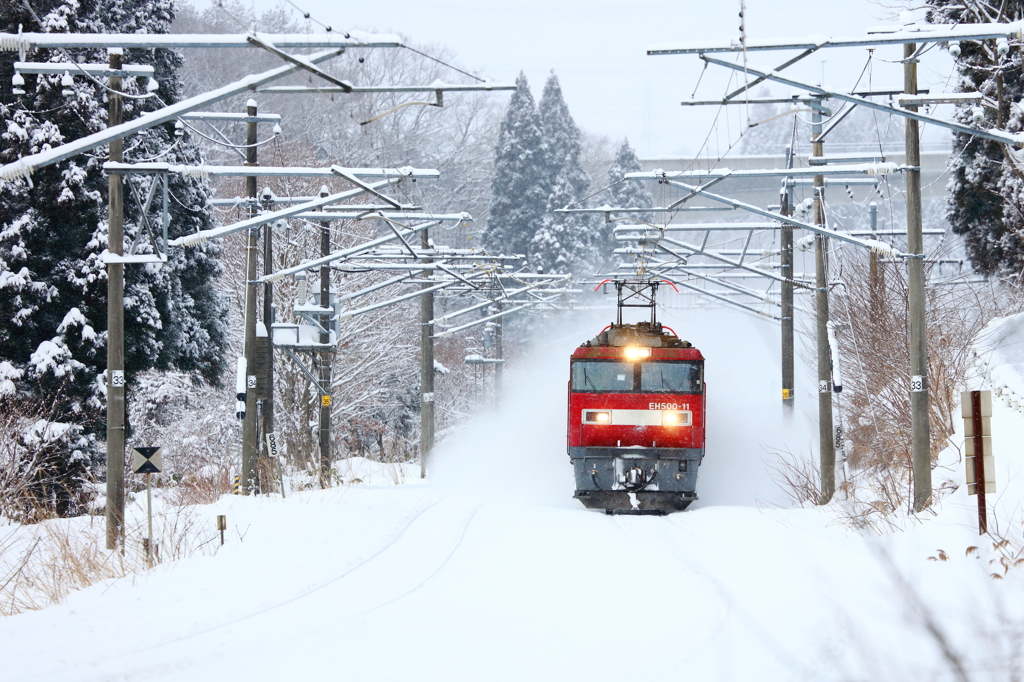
pixel 148 461
pixel 976 409
pixel 272 452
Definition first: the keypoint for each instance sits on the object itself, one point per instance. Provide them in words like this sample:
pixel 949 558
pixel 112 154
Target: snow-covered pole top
pixel 876 169
pixel 30 41
pixel 25 166
pixel 115 168
pixel 896 35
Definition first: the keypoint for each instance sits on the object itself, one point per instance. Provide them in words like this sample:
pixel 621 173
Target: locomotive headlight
pixel 597 417
pixel 634 353
pixel 675 418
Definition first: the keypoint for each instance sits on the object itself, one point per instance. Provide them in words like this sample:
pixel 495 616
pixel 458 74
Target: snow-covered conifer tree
pixel 53 233
pixel 564 242
pixel 623 194
pixel 986 202
pixel 519 190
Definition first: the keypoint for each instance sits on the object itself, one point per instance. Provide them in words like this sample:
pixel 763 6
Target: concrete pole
pixel 325 356
pixel 426 367
pixel 250 482
pixel 920 438
pixel 786 245
pixel 115 322
pixel 826 437
pixel 499 354
pixel 267 412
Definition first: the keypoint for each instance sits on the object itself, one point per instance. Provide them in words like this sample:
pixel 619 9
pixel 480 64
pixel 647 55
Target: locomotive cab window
pixel 670 377
pixel 602 377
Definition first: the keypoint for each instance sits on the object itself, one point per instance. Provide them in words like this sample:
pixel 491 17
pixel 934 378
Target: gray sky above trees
pixel 597 48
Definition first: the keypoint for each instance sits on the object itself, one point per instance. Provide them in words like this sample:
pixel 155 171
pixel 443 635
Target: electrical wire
pixel 228 144
pixel 310 17
pixel 443 63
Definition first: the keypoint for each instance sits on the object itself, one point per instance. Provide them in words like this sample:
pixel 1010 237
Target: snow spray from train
pixel 636 413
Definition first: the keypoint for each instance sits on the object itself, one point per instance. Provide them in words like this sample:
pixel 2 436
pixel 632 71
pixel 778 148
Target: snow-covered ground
pixel 491 571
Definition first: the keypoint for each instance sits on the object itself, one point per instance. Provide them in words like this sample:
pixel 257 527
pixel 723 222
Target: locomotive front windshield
pixel 669 377
pixel 603 376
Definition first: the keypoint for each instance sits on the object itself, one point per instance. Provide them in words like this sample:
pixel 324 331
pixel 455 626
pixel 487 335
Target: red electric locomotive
pixel 636 414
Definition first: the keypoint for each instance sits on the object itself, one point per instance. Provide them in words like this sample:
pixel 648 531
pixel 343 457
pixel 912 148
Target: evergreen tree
pixel 563 242
pixel 53 233
pixel 519 188
pixel 623 194
pixel 986 182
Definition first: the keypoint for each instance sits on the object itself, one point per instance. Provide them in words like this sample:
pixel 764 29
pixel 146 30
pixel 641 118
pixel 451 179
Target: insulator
pixel 179 128
pixel 954 49
pixel 1002 46
pixel 152 85
pixel 277 129
pixel 977 115
pixel 67 83
pixel 17 83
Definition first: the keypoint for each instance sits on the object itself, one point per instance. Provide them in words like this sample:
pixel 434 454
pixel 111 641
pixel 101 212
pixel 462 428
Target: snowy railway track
pixel 267 609
pixel 451 553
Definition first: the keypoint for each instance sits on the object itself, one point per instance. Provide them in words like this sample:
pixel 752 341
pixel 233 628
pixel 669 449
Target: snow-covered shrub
pixel 196 429
pixel 44 465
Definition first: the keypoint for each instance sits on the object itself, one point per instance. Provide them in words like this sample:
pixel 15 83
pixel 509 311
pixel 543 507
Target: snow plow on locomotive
pixel 636 414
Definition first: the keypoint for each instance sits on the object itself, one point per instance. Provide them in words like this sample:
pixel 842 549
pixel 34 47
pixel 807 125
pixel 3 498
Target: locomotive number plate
pixel 668 406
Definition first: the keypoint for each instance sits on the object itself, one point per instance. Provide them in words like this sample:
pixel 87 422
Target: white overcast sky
pixel 597 49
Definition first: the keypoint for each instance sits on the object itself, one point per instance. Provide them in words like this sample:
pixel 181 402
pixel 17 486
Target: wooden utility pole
pixel 426 366
pixel 115 320
pixel 826 437
pixel 786 245
pixel 325 355
pixel 978 434
pixel 920 436
pixel 249 439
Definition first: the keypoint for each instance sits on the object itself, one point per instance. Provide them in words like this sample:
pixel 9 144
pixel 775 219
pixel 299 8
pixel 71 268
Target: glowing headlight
pixel 597 417
pixel 634 353
pixel 675 418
